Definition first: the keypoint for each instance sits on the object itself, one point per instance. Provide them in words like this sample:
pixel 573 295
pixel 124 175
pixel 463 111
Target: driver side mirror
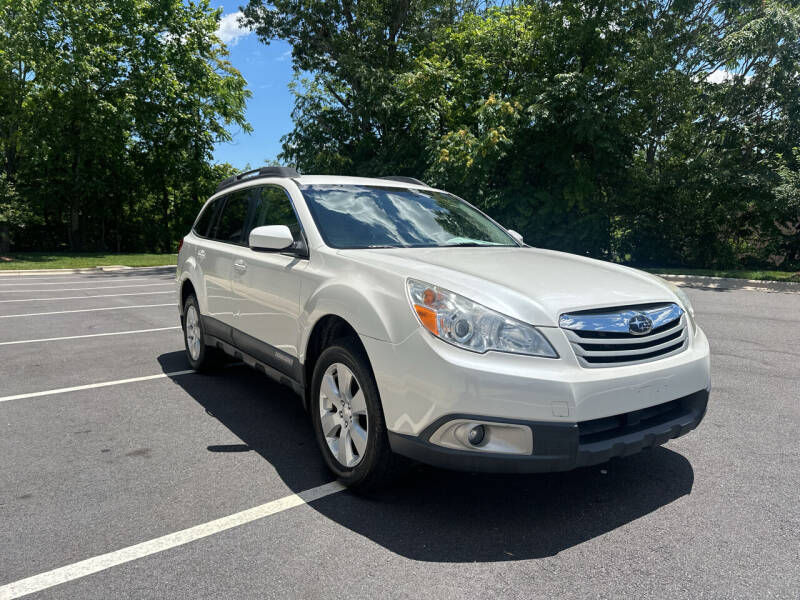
pixel 271 237
pixel 516 236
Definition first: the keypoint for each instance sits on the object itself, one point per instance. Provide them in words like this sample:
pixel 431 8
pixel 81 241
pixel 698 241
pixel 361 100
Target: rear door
pixel 202 230
pixel 223 247
pixel 268 286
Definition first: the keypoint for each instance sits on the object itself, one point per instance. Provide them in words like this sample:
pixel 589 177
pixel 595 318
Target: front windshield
pixel 367 216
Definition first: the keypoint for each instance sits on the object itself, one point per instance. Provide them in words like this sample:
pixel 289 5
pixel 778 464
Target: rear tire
pixel 348 419
pixel 201 357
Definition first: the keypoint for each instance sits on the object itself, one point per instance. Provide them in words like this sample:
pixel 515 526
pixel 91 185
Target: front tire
pixel 200 356
pixel 348 419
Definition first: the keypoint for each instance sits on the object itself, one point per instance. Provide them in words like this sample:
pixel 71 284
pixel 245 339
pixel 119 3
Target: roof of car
pixel 254 176
pixel 346 180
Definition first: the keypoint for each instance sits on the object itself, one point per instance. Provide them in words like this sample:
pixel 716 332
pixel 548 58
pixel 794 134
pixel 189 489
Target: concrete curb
pixel 729 283
pixel 105 269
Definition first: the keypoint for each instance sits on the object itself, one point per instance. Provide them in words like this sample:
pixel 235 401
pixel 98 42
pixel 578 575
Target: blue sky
pixel 268 71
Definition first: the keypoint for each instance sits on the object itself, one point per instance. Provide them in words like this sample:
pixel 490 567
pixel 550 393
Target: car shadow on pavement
pixel 437 515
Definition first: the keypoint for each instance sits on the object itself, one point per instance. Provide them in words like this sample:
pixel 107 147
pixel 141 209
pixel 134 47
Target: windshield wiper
pixel 465 245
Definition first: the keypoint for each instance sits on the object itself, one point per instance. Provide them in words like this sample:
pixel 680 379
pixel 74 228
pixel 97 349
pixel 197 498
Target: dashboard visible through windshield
pixel 361 216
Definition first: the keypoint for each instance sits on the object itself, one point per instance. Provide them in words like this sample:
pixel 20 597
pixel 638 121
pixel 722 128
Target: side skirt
pixel 263 357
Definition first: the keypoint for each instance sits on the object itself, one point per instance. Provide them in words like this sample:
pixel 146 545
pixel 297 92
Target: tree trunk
pixel 75 201
pixel 75 225
pixel 5 238
pixel 165 208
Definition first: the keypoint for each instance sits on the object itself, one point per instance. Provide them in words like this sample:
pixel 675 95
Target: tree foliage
pixel 346 116
pixel 108 116
pixel 655 132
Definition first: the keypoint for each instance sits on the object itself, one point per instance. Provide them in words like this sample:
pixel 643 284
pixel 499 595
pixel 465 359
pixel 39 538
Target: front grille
pixel 604 338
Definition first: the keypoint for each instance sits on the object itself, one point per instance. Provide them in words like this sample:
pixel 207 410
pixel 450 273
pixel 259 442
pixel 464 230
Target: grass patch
pixel 734 273
pixel 79 260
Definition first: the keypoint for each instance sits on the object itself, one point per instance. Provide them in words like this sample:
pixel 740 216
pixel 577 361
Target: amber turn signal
pixel 427 317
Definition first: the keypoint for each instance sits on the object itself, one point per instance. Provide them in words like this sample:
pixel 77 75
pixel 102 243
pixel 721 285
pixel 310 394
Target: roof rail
pixel 404 179
pixel 261 172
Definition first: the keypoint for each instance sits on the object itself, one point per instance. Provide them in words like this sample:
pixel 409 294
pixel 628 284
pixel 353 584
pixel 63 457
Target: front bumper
pixel 423 379
pixel 564 446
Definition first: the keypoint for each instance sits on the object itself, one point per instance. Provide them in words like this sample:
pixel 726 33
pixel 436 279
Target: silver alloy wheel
pixel 193 334
pixel 343 415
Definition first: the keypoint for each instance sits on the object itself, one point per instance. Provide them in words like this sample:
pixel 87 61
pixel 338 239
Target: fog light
pixel 476 435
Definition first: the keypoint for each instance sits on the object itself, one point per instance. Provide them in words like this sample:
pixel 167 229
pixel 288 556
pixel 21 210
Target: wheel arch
pixel 326 330
pixel 359 311
pixel 187 289
pixel 373 309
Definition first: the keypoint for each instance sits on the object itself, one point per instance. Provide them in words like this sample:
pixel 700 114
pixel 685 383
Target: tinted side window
pixel 206 218
pixel 273 207
pixel 230 225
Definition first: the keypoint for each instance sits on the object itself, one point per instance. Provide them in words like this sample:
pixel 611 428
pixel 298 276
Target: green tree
pixel 716 116
pixel 787 209
pixel 20 50
pixel 346 117
pixel 114 108
pixel 647 132
pixel 528 111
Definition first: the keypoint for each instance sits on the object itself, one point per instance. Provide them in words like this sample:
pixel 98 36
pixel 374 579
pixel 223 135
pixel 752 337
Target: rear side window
pixel 273 207
pixel 231 222
pixel 207 217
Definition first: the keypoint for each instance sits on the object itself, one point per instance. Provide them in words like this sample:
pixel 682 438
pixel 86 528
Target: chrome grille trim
pixel 602 337
pixel 652 337
pixel 580 351
pixel 616 320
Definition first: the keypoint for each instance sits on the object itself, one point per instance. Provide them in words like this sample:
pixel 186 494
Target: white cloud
pixel 229 30
pixel 721 76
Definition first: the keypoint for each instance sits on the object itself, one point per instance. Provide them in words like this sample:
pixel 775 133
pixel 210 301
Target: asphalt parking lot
pixel 169 484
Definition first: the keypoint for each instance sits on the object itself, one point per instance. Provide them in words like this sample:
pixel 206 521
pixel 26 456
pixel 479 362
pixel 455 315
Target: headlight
pixel 684 299
pixel 460 321
pixel 686 303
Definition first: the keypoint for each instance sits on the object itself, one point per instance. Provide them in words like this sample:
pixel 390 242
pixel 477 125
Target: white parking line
pixel 82 297
pixel 4 276
pixel 89 566
pixel 22 282
pixel 63 312
pixel 40 281
pixel 92 386
pixel 88 335
pixel 102 287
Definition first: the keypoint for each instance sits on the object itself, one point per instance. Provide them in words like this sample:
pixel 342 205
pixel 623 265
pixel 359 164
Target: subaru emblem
pixel 640 324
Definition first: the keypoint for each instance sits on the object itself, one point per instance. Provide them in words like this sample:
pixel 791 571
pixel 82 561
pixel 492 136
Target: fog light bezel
pixel 498 438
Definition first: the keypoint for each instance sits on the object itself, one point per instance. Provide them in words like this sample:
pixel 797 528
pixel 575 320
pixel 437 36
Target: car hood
pixel 530 284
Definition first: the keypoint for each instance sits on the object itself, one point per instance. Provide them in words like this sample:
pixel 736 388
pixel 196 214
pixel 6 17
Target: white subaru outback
pixel 413 325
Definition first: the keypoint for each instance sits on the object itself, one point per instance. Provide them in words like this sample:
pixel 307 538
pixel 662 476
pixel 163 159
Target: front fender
pixel 381 314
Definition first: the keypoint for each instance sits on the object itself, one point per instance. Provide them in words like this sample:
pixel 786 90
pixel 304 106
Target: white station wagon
pixel 412 324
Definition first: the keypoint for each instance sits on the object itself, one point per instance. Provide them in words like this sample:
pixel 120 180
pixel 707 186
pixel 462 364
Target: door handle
pixel 240 266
